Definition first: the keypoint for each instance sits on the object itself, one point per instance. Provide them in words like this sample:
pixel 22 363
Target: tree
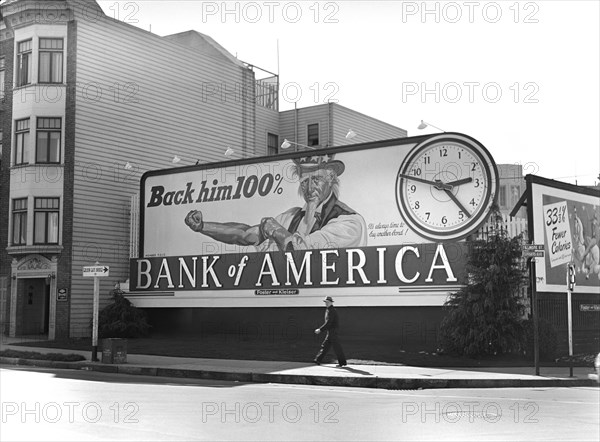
pixel 485 317
pixel 121 319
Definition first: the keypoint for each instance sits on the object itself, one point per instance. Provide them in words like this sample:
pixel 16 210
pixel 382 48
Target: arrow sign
pixel 96 271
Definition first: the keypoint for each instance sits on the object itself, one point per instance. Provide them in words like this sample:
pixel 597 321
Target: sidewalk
pixel 356 374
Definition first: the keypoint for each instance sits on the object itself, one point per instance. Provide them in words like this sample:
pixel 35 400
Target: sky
pixel 521 77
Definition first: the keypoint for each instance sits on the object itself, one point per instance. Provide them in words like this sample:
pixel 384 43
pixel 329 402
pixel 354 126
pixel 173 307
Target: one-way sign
pixel 96 271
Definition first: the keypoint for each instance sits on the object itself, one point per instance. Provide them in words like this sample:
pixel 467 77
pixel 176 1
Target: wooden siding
pixel 305 116
pixel 366 128
pixel 334 122
pixel 267 121
pixel 165 106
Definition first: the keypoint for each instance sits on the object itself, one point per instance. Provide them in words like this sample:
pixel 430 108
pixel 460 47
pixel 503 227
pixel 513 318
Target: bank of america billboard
pixel 372 224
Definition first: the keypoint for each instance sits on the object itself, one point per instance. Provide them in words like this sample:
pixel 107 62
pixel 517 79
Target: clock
pixel 446 187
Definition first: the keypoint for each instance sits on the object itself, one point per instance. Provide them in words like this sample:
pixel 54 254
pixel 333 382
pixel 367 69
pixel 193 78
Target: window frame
pixel 52 62
pixel 46 212
pixel 48 139
pixel 26 54
pixel 2 76
pixel 21 154
pixel 272 149
pixel 19 220
pixel 312 138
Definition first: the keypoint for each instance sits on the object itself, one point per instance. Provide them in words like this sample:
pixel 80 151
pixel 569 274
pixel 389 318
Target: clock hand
pixel 457 202
pixel 437 184
pixel 459 182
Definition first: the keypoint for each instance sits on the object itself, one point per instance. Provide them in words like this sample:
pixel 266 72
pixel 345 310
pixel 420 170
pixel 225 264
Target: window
pixel 19 222
pixel 24 63
pixel 2 78
pixel 48 140
pixel 51 60
pixel 313 135
pixel 502 196
pixel 45 221
pixel 515 194
pixel 272 144
pixel 21 141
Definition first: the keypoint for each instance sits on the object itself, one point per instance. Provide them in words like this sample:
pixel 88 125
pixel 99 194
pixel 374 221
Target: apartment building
pixel 88 105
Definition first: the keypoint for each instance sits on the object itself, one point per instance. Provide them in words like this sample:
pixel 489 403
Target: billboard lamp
pixel 424 124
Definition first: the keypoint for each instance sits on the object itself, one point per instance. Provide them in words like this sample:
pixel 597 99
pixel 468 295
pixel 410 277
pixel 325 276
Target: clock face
pixel 446 186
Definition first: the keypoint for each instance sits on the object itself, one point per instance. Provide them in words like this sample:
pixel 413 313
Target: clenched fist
pixel 194 220
pixel 268 226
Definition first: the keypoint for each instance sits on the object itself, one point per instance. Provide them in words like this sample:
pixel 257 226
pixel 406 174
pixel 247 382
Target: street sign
pixel 532 250
pixel 96 271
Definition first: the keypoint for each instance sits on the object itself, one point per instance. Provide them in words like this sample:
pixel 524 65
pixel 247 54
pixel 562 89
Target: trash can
pixel 114 351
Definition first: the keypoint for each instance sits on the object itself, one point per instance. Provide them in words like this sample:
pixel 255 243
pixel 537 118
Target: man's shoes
pixel 317 362
pixel 341 365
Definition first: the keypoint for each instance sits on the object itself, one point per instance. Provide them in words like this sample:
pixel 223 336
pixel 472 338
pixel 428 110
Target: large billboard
pixel 566 221
pixel 376 224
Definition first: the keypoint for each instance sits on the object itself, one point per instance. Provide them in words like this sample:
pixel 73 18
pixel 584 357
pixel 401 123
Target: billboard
pixel 378 224
pixel 565 220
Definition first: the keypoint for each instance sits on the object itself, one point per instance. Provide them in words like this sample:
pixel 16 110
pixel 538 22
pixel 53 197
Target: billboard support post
pixel 534 313
pixel 570 287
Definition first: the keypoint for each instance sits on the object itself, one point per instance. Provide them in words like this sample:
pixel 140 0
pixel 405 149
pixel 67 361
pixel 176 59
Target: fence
pixel 504 223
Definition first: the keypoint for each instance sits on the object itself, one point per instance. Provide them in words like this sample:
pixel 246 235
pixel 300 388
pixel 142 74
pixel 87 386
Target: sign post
pixel 570 287
pixel 533 251
pixel 95 271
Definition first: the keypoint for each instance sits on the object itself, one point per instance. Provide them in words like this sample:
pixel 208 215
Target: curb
pixel 278 378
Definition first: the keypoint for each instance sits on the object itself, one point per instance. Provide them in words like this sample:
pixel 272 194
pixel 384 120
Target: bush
pixel 548 340
pixel 122 319
pixel 484 317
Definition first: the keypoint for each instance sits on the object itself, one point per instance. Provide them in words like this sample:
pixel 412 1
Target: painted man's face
pixel 316 186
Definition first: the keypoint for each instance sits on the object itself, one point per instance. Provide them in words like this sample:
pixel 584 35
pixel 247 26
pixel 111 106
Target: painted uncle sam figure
pixel 323 222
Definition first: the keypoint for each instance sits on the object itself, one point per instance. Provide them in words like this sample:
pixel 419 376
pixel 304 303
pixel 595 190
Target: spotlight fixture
pixel 424 124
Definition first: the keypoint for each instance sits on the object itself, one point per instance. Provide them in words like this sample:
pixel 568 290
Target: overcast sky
pixel 521 77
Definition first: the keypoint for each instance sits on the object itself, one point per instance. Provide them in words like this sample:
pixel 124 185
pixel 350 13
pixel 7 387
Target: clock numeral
pixel 444 220
pixel 477 182
pixel 472 202
pixel 474 167
pixel 417 204
pixel 443 152
pixel 428 215
pixel 426 160
pixel 461 215
pixel 417 171
pixel 413 188
pixel 459 154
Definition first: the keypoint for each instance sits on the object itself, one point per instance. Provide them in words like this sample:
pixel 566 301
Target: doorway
pixel 34 297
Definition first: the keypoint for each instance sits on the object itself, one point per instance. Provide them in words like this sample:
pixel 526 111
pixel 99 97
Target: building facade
pixel 88 105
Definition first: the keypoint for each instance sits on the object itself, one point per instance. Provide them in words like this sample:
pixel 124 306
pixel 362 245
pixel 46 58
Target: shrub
pixel 484 317
pixel 548 340
pixel 122 319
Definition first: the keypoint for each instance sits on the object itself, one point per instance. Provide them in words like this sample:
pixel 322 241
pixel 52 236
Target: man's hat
pixel 328 299
pixel 318 162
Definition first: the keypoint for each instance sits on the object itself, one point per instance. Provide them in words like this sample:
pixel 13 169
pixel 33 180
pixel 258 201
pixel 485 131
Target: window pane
pixel 42 147
pixel 53 227
pixel 19 228
pixel 44 67
pixel 56 67
pixel 40 228
pixel 54 154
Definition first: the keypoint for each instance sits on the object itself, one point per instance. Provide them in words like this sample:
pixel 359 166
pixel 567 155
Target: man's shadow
pixel 355 370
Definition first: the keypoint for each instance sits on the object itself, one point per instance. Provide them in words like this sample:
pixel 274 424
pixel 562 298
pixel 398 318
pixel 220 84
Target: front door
pixel 34 295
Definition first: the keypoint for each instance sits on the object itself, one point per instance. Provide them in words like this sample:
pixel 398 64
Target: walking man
pixel 331 326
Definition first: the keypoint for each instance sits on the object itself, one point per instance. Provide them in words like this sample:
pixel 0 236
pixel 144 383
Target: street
pixel 49 404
